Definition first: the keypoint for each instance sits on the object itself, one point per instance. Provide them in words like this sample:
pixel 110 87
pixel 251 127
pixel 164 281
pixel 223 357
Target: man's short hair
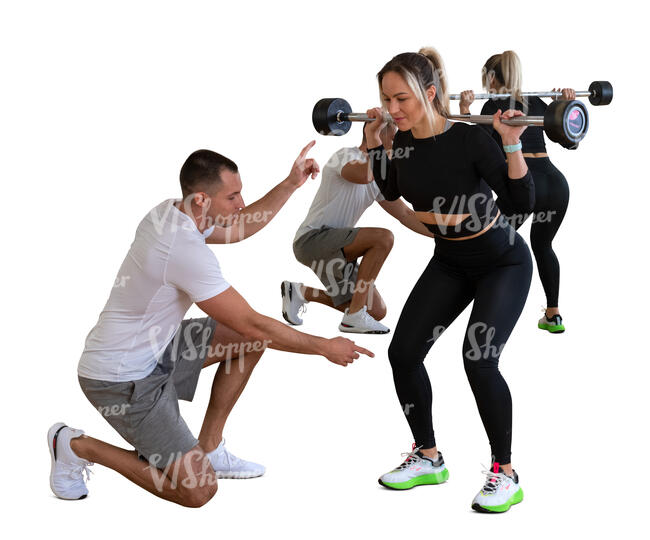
pixel 202 170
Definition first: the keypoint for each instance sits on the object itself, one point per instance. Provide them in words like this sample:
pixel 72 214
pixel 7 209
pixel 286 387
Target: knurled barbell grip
pixel 488 119
pixel 474 118
pixel 358 117
pixel 581 93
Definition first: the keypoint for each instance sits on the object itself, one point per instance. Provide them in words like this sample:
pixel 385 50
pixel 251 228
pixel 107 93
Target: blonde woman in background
pixel 502 75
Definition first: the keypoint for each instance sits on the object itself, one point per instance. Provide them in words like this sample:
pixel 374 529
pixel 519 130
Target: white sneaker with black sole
pixel 361 322
pixel 293 302
pixel 227 465
pixel 67 473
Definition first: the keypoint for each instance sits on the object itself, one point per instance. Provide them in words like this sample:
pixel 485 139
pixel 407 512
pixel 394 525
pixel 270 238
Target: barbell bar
pixel 599 93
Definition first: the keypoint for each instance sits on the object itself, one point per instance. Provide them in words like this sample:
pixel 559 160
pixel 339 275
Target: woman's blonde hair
pixel 503 70
pixel 420 71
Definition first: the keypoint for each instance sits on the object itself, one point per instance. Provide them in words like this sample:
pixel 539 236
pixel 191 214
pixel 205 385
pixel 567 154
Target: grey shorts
pixel 322 251
pixel 145 412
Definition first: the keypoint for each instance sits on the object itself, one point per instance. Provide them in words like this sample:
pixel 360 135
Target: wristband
pixel 510 148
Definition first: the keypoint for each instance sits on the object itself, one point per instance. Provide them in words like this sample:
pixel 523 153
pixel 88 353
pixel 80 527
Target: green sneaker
pixel 553 325
pixel 417 470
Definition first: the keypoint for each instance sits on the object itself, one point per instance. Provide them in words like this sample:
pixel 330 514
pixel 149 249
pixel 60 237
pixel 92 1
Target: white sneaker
pixel 67 474
pixel 499 493
pixel 293 303
pixel 417 470
pixel 361 322
pixel 226 465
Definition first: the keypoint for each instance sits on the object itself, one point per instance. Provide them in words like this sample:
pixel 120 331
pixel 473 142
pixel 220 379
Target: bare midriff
pixel 450 220
pixel 535 154
pixel 445 220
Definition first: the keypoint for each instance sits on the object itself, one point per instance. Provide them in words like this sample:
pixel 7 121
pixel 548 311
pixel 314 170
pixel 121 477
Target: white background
pixel 101 104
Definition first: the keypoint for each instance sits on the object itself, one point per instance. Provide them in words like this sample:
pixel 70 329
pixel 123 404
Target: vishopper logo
pixel 479 337
pixel 345 156
pixel 406 408
pixel 479 341
pixel 354 155
pixel 171 220
pixel 385 159
pixel 181 464
pixel 231 351
pixel 117 409
pixel 235 231
pixel 481 210
pixel 437 332
pixel 193 342
pixel 544 216
pixel 512 100
pixel 177 338
pixel 120 282
pixel 337 276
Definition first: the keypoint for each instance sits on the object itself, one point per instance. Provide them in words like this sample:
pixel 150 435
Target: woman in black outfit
pixel 448 172
pixel 502 75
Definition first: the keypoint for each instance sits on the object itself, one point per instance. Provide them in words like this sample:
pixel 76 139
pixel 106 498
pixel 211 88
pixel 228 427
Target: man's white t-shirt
pixel 339 203
pixel 168 267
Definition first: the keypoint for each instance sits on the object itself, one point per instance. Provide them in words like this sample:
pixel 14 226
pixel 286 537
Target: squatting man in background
pixel 142 357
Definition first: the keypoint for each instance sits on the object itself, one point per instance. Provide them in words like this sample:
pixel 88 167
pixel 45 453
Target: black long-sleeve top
pixel 532 140
pixel 451 173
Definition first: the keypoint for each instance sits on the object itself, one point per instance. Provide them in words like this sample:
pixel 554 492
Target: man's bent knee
pixel 377 312
pixel 197 496
pixel 385 240
pixel 196 482
pixel 376 306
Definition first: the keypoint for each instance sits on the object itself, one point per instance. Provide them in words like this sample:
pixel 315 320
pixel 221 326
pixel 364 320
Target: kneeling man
pixel 142 357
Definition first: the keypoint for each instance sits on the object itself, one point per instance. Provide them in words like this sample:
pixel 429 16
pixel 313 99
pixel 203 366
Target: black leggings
pixel 551 201
pixel 494 270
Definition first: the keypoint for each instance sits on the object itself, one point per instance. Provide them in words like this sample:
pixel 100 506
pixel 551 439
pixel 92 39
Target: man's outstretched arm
pixel 258 214
pixel 231 309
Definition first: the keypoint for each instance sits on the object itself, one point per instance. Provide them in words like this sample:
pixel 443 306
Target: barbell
pixel 599 93
pixel 564 122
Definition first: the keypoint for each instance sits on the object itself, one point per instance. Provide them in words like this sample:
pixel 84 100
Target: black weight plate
pixel 566 122
pixel 338 109
pixel 319 116
pixel 602 93
pixel 326 114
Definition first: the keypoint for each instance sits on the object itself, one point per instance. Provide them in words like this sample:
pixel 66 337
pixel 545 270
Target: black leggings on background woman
pixel 502 74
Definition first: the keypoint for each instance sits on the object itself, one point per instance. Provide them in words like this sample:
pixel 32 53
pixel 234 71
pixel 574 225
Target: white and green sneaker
pixel 417 470
pixel 499 493
pixel 553 325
